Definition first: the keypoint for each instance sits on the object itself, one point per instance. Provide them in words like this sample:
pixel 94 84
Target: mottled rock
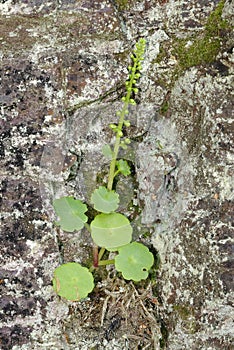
pixel 63 66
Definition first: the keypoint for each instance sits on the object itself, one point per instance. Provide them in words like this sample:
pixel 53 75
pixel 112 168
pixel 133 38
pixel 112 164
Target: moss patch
pixel 186 314
pixel 198 49
pixel 164 107
pixel 200 52
pixel 204 48
pixel 163 52
pixel 124 4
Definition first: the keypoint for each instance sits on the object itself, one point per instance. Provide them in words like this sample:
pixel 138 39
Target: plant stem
pixel 116 173
pixel 106 262
pixel 101 252
pixel 123 112
pixel 95 256
pixel 87 226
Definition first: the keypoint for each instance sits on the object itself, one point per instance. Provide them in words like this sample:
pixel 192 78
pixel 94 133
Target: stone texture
pixel 63 66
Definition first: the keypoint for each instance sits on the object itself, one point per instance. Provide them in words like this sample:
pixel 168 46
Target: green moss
pixel 194 50
pixel 164 107
pixel 215 24
pixel 122 4
pixel 200 52
pixel 203 48
pixel 183 311
pixel 186 314
pixel 163 52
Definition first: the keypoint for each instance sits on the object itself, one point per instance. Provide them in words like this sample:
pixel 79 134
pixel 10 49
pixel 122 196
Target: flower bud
pixel 127 141
pixel 123 145
pixel 127 123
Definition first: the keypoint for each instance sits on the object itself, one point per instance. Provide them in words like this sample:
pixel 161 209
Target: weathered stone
pixel 63 66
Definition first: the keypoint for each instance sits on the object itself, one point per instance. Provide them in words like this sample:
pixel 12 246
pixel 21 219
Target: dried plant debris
pixel 119 310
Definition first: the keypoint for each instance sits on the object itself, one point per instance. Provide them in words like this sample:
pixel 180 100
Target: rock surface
pixel 63 67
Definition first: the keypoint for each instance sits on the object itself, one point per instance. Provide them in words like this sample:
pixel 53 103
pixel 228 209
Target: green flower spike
pixel 134 74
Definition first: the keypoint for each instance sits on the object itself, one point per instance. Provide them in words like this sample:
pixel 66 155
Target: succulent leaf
pixel 134 261
pixel 104 200
pixel 71 212
pixel 72 281
pixel 111 230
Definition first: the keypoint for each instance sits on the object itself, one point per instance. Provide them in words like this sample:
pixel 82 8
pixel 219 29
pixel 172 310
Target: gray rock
pixel 63 67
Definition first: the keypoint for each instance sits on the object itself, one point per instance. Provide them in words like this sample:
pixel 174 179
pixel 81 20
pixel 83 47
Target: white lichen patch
pixel 35 248
pixel 170 163
pixel 63 56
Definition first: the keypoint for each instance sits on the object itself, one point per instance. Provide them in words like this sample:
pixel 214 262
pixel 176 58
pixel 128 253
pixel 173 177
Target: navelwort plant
pixel 109 230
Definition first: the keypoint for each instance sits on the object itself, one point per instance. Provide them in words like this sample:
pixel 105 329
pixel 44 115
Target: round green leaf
pixel 72 281
pixel 134 260
pixel 104 200
pixel 123 167
pixel 71 212
pixel 111 230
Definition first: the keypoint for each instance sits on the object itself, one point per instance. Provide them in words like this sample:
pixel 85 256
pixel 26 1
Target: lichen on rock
pixel 63 67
